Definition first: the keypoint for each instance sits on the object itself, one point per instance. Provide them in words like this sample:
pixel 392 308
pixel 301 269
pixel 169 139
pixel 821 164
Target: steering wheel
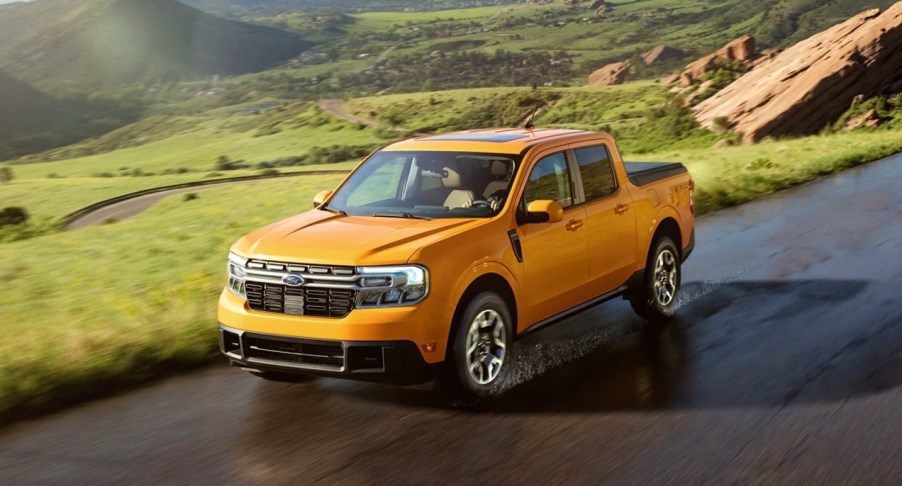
pixel 480 203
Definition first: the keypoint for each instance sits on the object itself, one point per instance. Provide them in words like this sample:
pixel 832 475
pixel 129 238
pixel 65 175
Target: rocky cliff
pixel 809 85
pixel 615 73
pixel 740 50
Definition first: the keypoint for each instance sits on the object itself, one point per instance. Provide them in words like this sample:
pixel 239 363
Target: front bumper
pixel 398 362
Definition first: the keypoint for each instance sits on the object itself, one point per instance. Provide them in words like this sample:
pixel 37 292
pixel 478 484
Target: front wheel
pixel 656 299
pixel 479 351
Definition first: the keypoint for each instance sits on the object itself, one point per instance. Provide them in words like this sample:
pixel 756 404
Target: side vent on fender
pixel 515 243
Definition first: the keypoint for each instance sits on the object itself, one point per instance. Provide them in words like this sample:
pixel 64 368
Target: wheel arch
pixel 487 282
pixel 671 228
pixel 666 221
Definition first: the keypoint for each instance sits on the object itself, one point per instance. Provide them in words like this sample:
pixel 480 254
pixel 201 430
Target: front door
pixel 555 255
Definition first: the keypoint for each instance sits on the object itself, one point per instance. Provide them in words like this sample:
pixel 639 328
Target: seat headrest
pixel 451 178
pixel 499 168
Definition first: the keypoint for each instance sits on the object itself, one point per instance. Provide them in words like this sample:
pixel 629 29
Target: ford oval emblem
pixel 293 280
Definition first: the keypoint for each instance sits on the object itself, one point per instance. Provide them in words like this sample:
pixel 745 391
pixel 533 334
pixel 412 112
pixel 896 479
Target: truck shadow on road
pixel 755 343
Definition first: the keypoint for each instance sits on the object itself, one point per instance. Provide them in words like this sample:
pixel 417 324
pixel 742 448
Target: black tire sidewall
pixel 458 377
pixel 649 306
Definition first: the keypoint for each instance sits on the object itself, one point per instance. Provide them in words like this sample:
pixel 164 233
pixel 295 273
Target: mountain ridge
pixel 105 43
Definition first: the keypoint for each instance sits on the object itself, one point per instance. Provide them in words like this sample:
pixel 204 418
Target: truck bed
pixel 642 173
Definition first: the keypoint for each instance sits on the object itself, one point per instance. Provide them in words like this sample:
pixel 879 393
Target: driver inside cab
pixel 495 190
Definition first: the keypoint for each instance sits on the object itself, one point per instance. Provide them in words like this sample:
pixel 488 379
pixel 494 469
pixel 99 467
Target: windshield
pixel 427 185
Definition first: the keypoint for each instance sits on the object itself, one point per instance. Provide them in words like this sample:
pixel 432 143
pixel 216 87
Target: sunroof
pixel 476 137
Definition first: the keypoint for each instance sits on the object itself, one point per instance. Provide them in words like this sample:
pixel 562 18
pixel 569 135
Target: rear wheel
pixel 656 299
pixel 479 349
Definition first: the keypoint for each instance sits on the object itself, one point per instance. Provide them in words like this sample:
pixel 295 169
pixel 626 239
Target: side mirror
pixel 320 198
pixel 544 211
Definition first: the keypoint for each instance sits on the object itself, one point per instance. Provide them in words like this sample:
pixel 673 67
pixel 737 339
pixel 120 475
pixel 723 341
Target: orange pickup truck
pixel 436 253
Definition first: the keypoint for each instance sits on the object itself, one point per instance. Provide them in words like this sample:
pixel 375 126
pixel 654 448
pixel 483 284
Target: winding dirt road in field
pixel 334 108
pixel 784 366
pixel 128 206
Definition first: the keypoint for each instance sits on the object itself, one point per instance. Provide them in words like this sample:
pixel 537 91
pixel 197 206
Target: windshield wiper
pixel 401 215
pixel 336 211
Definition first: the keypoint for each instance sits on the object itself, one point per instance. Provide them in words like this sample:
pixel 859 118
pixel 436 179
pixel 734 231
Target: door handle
pixel 621 208
pixel 574 224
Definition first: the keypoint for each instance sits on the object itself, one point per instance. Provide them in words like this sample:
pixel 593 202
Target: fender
pixel 479 269
pixel 485 267
pixel 664 212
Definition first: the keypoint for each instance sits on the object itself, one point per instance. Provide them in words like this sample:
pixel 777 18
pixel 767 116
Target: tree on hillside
pixel 6 175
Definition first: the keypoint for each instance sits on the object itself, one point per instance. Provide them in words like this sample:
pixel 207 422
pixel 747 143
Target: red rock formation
pixel 809 85
pixel 616 73
pixel 741 49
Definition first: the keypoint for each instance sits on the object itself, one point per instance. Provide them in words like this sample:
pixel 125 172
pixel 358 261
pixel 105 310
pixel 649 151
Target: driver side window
pixel 550 179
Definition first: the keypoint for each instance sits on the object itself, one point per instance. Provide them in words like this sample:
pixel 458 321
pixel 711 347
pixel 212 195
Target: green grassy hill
pixel 86 45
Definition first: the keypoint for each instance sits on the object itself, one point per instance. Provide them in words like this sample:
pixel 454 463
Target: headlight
pixel 392 286
pixel 237 275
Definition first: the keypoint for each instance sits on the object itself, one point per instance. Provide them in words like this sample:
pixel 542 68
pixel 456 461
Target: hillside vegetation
pixel 643 115
pixel 523 44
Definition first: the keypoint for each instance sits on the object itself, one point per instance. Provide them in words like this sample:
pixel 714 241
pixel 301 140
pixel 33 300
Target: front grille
pixel 300 300
pixel 317 353
pixel 302 268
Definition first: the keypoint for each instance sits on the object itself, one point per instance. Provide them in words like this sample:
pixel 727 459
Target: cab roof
pixel 498 140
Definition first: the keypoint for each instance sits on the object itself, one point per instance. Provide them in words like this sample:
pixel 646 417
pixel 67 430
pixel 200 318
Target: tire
pixel 479 351
pixel 282 377
pixel 656 299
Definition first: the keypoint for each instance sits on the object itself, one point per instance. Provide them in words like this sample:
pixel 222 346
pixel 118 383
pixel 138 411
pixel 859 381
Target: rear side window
pixel 549 179
pixel 596 171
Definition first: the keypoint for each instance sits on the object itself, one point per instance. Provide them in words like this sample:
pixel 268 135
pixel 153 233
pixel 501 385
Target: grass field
pixel 129 305
pixel 251 138
pixel 729 176
pixel 173 150
pixel 138 298
pixel 55 198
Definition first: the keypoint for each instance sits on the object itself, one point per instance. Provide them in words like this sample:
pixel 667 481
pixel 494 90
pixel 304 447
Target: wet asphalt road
pixel 784 366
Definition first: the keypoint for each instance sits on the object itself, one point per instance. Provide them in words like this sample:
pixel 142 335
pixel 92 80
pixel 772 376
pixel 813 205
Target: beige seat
pixel 499 172
pixel 457 197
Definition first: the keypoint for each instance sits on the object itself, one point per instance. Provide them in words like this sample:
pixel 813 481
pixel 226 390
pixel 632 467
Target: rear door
pixel 554 254
pixel 610 218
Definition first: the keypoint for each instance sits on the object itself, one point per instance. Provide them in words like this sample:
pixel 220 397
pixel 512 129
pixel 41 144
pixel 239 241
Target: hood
pixel 326 238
